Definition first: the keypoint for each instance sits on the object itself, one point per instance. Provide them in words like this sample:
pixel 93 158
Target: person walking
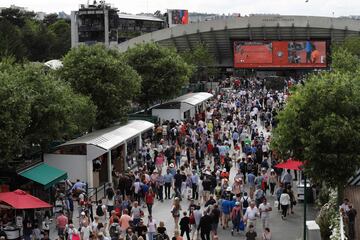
pixel 205 226
pixel 265 209
pixel 185 226
pixel 151 225
pixel 168 179
pixel 149 199
pixel 284 202
pixel 251 215
pixel 236 216
pixel 175 211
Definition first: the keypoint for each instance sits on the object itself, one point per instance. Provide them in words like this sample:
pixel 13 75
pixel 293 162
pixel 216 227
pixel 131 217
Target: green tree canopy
pixel 102 75
pixel 352 45
pixel 15 104
pixel 57 112
pixel 163 72
pixel 321 125
pixel 344 60
pixel 62 38
pixel 24 37
pixel 37 109
pixel 203 60
pixel 11 40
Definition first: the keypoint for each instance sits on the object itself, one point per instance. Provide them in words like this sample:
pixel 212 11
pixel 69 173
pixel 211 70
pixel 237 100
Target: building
pixel 93 24
pixel 101 23
pixel 224 37
pixel 130 26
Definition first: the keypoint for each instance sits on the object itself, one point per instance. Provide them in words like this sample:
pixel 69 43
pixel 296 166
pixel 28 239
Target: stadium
pixel 262 42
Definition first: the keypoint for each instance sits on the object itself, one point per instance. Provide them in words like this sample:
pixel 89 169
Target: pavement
pixel 289 229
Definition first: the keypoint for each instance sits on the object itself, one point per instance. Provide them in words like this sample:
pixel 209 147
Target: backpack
pixel 99 211
pixel 245 202
pixel 113 231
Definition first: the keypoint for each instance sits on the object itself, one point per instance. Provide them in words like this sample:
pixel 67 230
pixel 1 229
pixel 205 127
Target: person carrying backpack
pixel 245 200
pixel 236 217
pixel 114 230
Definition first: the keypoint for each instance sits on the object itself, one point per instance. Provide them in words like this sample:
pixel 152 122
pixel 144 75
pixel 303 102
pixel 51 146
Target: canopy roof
pixel 19 199
pixel 44 174
pixel 291 164
pixel 54 64
pixel 190 98
pixel 111 137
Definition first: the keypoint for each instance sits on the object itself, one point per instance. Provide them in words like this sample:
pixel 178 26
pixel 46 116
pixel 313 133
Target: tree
pixel 203 60
pixel 37 109
pixel 15 108
pixel 163 72
pixel 11 40
pixel 321 125
pixel 15 16
pixel 62 38
pixel 37 40
pixel 105 77
pixel 352 44
pixel 57 112
pixel 50 19
pixel 344 60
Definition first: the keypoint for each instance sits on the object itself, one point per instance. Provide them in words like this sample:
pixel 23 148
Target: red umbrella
pixel 19 199
pixel 290 164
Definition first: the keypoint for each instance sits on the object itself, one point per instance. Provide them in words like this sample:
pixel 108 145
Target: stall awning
pixel 111 137
pixel 44 174
pixel 19 199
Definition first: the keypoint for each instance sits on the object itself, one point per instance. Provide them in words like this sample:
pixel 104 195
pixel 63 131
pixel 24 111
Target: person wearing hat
pixel 168 180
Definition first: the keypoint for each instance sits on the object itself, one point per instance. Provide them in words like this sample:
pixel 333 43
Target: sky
pixel 244 7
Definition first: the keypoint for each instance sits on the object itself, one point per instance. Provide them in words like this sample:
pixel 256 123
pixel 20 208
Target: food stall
pixel 12 207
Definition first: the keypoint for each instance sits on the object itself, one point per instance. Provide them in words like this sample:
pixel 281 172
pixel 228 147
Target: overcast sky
pixel 244 7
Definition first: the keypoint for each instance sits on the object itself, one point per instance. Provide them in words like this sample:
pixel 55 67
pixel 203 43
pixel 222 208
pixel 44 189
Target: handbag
pixel 276 204
pixel 242 225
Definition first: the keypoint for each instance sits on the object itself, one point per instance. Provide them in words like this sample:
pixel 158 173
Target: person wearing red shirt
pixel 61 222
pixel 149 199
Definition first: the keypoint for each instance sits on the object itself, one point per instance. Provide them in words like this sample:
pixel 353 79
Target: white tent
pixel 54 64
pixel 181 108
pixel 78 163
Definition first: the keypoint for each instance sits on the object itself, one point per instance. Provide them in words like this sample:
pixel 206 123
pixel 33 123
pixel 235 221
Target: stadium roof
pixel 218 35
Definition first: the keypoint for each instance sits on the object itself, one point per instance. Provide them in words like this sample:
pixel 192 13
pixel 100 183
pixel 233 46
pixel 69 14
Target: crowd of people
pixel 217 171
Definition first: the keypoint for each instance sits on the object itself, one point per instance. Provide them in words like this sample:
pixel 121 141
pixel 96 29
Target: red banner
pixel 280 54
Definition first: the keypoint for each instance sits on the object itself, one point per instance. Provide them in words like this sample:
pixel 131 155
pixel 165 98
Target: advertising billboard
pixel 177 17
pixel 280 54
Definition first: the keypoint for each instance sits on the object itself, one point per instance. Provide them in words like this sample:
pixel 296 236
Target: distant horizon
pixel 325 8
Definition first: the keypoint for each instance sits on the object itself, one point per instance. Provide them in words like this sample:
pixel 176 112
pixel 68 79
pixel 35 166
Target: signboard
pixel 280 54
pixel 177 17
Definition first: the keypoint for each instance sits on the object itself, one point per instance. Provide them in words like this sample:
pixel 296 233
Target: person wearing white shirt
pixel 284 202
pixel 251 214
pixel 265 209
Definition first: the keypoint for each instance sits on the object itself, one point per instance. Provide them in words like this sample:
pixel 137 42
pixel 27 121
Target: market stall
pixel 12 207
pixel 92 157
pixel 184 107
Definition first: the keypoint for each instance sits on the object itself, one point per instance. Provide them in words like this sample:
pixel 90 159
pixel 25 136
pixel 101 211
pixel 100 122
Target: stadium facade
pixel 220 35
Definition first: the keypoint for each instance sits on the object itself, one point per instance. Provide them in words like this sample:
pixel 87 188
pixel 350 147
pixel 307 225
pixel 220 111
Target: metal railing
pixel 97 192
